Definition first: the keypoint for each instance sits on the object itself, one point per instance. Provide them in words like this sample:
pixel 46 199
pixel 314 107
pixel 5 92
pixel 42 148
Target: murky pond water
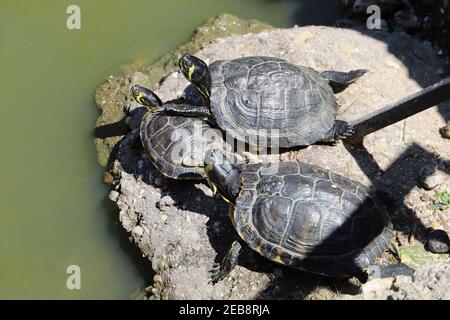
pixel 53 204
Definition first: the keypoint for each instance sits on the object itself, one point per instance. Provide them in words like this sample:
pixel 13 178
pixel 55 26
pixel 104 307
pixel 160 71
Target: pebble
pixel 438 241
pixel 430 178
pixel 137 231
pixel 208 192
pixel 158 279
pixel 426 198
pixel 108 178
pixel 114 195
pixel 166 201
pixel 155 291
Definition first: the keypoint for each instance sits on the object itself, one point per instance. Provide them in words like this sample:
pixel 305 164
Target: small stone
pixel 155 291
pixel 163 264
pixel 430 178
pixel 148 289
pixel 208 192
pixel 166 201
pixel 114 195
pixel 137 231
pixel 158 279
pixel 426 198
pixel 108 178
pixel 432 181
pixel 438 241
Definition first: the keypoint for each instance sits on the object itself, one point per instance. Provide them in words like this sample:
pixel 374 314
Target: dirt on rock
pixel 183 230
pixel 430 282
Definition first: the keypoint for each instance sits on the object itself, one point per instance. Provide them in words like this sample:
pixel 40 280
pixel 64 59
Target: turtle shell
pixel 312 219
pixel 176 145
pixel 271 100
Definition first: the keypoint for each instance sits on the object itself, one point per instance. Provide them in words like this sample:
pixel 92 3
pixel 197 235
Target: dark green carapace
pixel 269 101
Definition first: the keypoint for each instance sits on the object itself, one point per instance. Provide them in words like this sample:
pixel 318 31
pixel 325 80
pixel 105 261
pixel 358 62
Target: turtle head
pixel 222 174
pixel 146 97
pixel 196 71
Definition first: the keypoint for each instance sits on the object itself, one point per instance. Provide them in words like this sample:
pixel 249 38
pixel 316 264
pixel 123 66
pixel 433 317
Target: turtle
pixel 269 101
pixel 302 216
pixel 174 144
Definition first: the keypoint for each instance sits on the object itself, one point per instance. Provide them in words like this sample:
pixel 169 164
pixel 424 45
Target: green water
pixel 54 211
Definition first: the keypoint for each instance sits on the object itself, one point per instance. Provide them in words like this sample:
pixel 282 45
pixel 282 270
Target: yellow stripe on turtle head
pixel 191 71
pixel 139 97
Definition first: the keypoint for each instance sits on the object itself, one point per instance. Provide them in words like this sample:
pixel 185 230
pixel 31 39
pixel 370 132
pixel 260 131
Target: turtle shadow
pixel 115 129
pixel 296 285
pixel 304 14
pixel 188 195
pixel 396 182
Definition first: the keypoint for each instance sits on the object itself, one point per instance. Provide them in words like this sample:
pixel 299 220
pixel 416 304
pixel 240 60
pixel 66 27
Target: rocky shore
pixel 183 230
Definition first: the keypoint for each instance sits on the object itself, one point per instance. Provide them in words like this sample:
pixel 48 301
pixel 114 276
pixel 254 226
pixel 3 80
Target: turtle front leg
pixel 340 130
pixel 220 271
pixel 186 110
pixel 340 80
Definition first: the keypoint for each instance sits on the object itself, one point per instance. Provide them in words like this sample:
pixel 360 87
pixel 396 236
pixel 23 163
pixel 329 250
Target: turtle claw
pixel 346 132
pixel 216 273
pixel 340 130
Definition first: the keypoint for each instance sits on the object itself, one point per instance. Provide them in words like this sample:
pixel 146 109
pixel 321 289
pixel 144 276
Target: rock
pixel 430 282
pixel 197 234
pixel 431 178
pixel 431 182
pixel 166 201
pixel 114 195
pixel 108 178
pixel 137 231
pixel 426 198
pixel 158 279
pixel 438 241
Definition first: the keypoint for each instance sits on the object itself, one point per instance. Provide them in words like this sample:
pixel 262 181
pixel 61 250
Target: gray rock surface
pixel 430 282
pixel 183 230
